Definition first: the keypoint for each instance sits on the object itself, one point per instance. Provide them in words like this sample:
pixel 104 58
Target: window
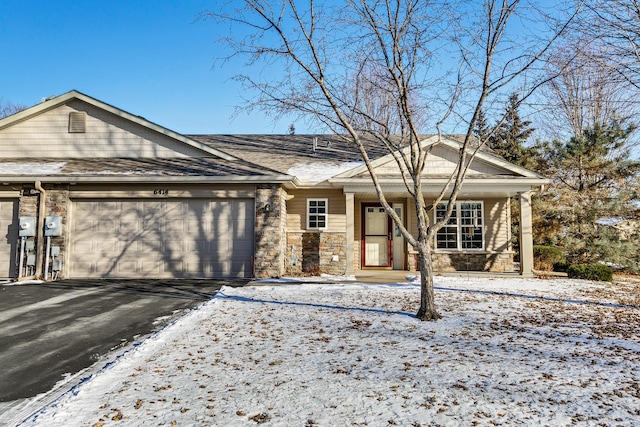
pixel 317 213
pixel 464 229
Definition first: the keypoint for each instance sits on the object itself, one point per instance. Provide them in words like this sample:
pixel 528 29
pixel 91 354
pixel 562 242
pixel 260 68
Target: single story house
pixel 88 190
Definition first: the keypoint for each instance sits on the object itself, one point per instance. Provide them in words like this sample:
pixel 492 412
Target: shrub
pixel 543 266
pixel 560 266
pixel 590 272
pixel 544 256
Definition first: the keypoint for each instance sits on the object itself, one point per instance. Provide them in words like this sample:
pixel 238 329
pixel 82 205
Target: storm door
pixel 376 237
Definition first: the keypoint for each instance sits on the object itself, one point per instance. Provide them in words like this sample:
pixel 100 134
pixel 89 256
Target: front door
pixel 376 236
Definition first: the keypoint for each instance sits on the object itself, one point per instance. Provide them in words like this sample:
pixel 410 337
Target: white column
pixel 350 202
pixel 526 236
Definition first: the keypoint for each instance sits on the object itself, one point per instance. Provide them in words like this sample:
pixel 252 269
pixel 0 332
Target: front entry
pixel 376 236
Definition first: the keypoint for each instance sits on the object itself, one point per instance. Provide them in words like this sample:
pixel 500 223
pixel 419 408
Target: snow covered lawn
pixel 507 352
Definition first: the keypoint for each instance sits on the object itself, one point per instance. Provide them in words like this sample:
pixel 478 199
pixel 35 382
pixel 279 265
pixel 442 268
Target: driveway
pixel 49 330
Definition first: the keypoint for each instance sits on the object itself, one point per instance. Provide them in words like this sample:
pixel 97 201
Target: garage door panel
pixel 86 247
pixel 150 268
pixel 243 246
pixel 176 225
pixel 169 238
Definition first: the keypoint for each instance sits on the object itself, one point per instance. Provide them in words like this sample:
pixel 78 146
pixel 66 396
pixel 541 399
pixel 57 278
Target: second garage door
pixel 194 238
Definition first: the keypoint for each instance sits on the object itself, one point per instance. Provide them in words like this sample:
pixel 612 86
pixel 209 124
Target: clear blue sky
pixel 150 58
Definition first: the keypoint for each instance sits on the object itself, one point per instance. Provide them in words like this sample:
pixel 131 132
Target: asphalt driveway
pixel 53 329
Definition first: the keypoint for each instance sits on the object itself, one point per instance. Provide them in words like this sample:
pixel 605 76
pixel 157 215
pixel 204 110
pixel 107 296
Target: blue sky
pixel 150 58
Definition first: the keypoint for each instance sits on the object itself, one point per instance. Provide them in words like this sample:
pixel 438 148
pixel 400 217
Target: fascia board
pixel 512 186
pixel 273 179
pixel 64 98
pixel 427 180
pixel 495 160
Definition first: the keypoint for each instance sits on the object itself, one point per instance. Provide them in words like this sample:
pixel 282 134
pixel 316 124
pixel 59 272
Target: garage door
pixel 8 237
pixel 195 238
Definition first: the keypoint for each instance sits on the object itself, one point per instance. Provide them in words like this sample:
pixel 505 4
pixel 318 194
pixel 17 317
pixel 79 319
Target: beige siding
pixel 497 225
pixel 442 161
pixel 107 135
pixel 297 209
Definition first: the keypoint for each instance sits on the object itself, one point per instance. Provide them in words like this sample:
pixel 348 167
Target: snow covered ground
pixel 507 352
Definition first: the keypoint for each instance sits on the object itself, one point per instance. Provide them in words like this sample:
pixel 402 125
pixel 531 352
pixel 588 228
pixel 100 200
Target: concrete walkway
pixel 400 276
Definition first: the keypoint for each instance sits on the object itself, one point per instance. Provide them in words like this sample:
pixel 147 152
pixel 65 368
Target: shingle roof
pixel 282 152
pixel 208 166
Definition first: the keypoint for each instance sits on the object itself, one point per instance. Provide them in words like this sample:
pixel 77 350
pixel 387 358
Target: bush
pixel 561 267
pixel 590 272
pixel 546 256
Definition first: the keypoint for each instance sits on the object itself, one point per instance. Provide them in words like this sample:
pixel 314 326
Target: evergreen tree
pixel 481 130
pixel 510 137
pixel 594 178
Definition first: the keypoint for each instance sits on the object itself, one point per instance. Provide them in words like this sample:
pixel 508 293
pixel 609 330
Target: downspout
pixel 40 227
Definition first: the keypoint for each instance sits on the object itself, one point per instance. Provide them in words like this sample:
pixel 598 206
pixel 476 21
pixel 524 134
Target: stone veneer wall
pixel 496 262
pixel 315 252
pixel 57 205
pixel 270 231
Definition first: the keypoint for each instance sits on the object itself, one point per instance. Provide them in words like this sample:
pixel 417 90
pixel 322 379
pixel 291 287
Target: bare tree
pixel 7 108
pixel 587 91
pixel 614 26
pixel 392 71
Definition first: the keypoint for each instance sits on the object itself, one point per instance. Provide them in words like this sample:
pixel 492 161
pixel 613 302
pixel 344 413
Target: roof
pixel 300 154
pixel 149 168
pixel 283 152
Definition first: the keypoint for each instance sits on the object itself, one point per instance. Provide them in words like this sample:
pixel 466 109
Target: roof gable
pixel 442 161
pixel 43 131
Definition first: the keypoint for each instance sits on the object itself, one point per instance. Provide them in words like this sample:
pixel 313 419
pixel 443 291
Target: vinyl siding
pixel 297 210
pixel 442 161
pixel 107 135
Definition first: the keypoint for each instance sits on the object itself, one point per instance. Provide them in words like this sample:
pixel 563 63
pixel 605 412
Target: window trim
pixel 325 214
pixel 459 226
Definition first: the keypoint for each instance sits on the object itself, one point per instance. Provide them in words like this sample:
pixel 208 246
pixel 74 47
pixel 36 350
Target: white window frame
pixel 314 214
pixel 458 220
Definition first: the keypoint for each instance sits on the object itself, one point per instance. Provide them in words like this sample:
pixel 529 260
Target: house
pixel 88 190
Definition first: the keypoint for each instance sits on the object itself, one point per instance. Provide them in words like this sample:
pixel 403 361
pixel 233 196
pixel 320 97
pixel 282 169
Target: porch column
pixel 349 203
pixel 526 236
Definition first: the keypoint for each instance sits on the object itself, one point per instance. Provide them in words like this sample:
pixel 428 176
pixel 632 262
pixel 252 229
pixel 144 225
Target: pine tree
pixel 510 137
pixel 481 130
pixel 594 178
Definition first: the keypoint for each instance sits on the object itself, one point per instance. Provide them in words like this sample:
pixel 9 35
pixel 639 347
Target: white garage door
pixel 8 237
pixel 195 238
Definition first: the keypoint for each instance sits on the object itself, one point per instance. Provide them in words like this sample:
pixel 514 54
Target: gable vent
pixel 77 122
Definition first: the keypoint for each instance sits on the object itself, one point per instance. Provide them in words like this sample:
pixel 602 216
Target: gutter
pixel 274 179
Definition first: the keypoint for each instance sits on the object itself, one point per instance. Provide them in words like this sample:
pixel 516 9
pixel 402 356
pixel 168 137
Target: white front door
pixel 376 237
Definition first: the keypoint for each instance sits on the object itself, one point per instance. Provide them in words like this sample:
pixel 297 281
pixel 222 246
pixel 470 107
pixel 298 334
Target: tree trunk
pixel 427 309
